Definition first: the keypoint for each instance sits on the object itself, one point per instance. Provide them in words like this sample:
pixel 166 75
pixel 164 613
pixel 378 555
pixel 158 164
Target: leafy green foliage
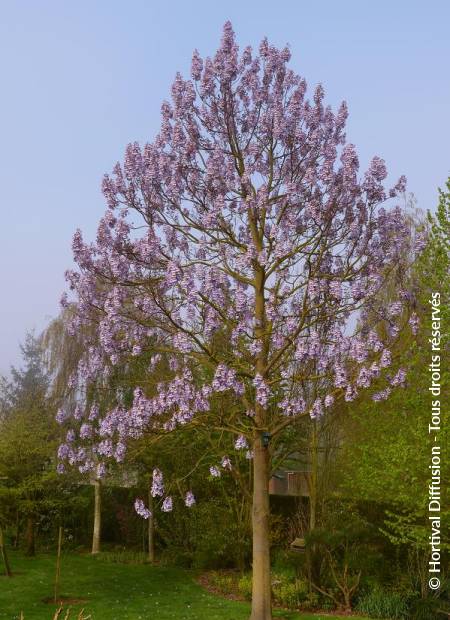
pixel 384 604
pixel 30 488
pixel 383 465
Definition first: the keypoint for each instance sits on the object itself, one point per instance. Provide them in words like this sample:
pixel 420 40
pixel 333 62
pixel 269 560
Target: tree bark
pixel 261 582
pixel 151 529
pixel 30 537
pixel 97 517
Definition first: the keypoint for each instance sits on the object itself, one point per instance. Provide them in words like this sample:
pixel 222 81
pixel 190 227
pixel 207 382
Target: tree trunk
pixel 97 517
pixel 151 529
pixel 4 554
pixel 261 582
pixel 30 537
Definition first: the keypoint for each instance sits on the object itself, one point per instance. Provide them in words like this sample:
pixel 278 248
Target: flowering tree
pixel 242 248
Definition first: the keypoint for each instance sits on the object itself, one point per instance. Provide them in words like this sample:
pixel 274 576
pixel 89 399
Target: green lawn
pixel 116 592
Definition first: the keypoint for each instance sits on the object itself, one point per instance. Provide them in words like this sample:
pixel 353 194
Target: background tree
pixel 62 356
pixel 393 474
pixel 28 440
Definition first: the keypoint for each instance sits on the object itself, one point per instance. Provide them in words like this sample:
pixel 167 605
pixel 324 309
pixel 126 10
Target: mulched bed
pixel 205 581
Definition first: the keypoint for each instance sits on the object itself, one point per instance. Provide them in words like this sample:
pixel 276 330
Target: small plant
pixel 245 587
pixel 384 604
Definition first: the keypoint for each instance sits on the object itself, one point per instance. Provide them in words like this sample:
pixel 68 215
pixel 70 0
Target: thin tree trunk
pixel 97 517
pixel 4 554
pixel 261 583
pixel 151 529
pixel 30 537
pixel 58 564
pixel 16 537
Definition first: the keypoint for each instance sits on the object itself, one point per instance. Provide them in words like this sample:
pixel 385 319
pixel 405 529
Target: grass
pixel 117 592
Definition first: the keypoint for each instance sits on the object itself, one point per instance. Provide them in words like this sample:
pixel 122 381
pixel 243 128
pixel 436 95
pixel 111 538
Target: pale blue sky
pixel 80 79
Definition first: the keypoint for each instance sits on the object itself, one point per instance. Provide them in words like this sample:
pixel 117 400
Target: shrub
pixel 123 557
pixel 427 609
pixel 287 562
pixel 339 553
pixel 208 533
pixel 176 556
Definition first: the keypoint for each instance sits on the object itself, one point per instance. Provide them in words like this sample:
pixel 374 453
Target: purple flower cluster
pixel 189 500
pixel 226 463
pixel 167 504
pixel 241 443
pixel 214 471
pixel 212 232
pixel 262 390
pixel 157 488
pixel 141 509
pixel 225 379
